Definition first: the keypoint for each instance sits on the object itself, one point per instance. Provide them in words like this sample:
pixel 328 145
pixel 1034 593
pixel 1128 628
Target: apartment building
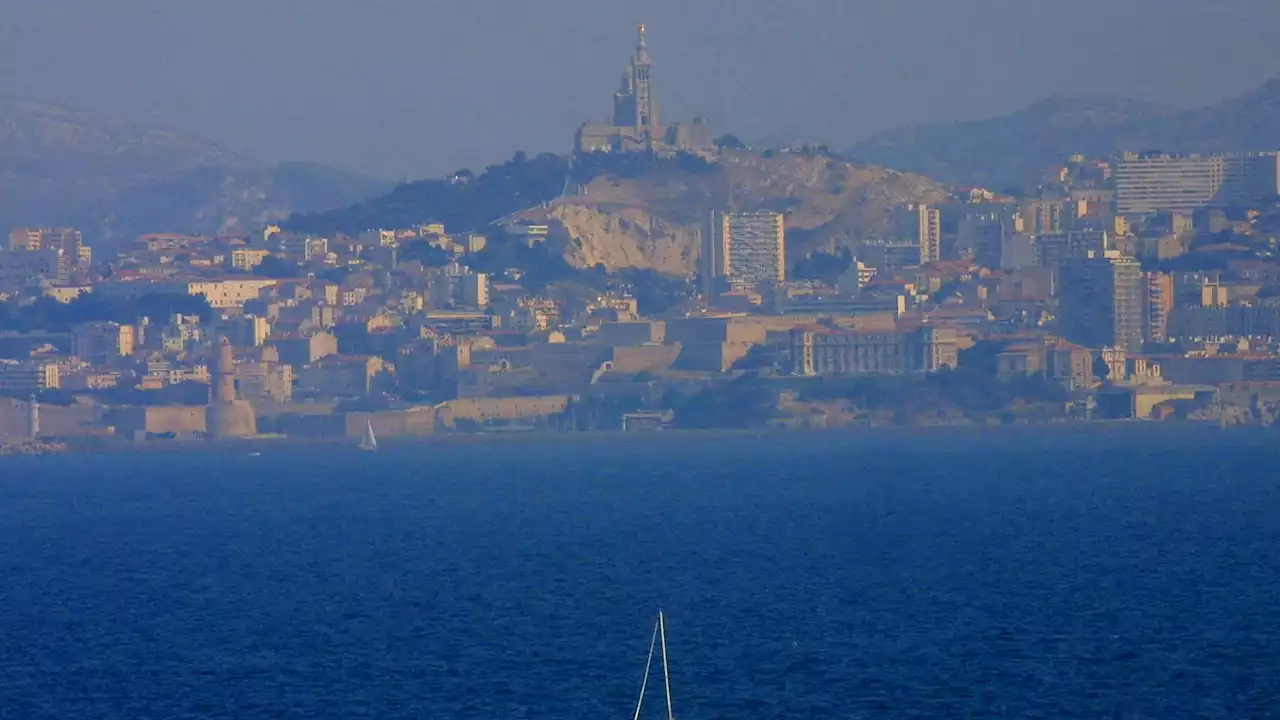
pixel 1103 301
pixel 750 249
pixel 1153 183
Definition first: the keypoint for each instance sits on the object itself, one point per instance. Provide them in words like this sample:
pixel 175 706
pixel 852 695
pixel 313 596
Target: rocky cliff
pixel 654 220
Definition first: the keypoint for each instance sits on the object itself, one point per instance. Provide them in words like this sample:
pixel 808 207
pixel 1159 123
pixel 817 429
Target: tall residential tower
pixel 749 249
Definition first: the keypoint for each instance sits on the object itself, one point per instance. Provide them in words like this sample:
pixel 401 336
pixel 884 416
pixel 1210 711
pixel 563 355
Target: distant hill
pixel 644 212
pixel 115 179
pixel 1011 150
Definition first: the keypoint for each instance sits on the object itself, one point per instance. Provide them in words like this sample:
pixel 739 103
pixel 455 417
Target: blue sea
pixel 1110 572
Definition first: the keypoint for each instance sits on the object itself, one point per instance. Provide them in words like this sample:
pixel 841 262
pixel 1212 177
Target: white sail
pixel 368 442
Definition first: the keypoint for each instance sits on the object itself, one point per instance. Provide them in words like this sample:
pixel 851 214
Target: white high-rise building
pixel 921 224
pixel 1151 183
pixel 751 249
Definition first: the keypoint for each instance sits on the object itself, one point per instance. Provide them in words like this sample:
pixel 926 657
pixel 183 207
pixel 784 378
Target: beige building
pixel 66 293
pixel 229 292
pixel 851 352
pixel 181 420
pixel 481 410
pixel 246 259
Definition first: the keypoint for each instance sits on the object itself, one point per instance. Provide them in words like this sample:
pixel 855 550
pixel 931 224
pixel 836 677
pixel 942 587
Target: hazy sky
pixel 407 88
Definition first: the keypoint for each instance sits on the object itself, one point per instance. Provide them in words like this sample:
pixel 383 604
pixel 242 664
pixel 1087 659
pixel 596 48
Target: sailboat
pixel 659 634
pixel 368 442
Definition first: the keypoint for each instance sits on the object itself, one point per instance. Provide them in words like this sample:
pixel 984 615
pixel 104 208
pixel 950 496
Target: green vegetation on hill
pixel 53 316
pixel 468 202
pixel 462 202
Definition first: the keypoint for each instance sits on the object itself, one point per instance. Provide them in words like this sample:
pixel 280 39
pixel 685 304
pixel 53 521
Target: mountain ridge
pixel 1011 150
pixel 114 179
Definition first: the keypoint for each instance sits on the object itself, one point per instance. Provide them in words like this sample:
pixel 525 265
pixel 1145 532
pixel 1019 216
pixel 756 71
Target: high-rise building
pixel 922 225
pixel 475 290
pixel 68 240
pixel 1102 301
pixel 980 236
pixel 751 249
pixel 1152 183
pixel 1043 216
pixel 1159 301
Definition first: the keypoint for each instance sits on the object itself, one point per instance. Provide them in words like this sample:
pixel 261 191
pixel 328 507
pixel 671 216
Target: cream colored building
pixel 246 259
pixel 229 292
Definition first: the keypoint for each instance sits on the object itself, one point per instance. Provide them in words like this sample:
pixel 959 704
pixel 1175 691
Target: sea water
pixel 1099 573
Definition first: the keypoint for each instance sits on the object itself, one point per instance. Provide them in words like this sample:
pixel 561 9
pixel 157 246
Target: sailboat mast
pixel 644 682
pixel 666 676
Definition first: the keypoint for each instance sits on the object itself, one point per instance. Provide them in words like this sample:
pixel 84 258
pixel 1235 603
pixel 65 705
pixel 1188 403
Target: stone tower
pixel 634 105
pixel 33 418
pixel 224 373
pixel 227 417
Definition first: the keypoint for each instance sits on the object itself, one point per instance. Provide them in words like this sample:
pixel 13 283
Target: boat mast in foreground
pixel 368 442
pixel 659 635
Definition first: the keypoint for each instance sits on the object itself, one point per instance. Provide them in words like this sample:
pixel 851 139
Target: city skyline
pixel 383 90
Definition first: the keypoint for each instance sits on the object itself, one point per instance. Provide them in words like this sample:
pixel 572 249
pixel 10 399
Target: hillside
pixel 1011 150
pixel 115 179
pixel 637 211
pixel 653 221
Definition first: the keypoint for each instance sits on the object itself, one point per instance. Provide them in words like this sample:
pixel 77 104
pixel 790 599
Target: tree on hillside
pixel 51 315
pixel 424 252
pixel 822 266
pixel 278 268
pixel 730 142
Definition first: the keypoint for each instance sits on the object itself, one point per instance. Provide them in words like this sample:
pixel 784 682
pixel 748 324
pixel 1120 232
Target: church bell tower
pixel 635 111
pixel 646 108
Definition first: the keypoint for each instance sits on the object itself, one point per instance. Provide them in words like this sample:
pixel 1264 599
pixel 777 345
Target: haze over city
pixel 410 89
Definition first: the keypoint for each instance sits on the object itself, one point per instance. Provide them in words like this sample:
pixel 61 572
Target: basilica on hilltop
pixel 635 126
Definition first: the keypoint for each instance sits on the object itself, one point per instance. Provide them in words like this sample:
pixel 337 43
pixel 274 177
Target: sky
pixel 401 89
